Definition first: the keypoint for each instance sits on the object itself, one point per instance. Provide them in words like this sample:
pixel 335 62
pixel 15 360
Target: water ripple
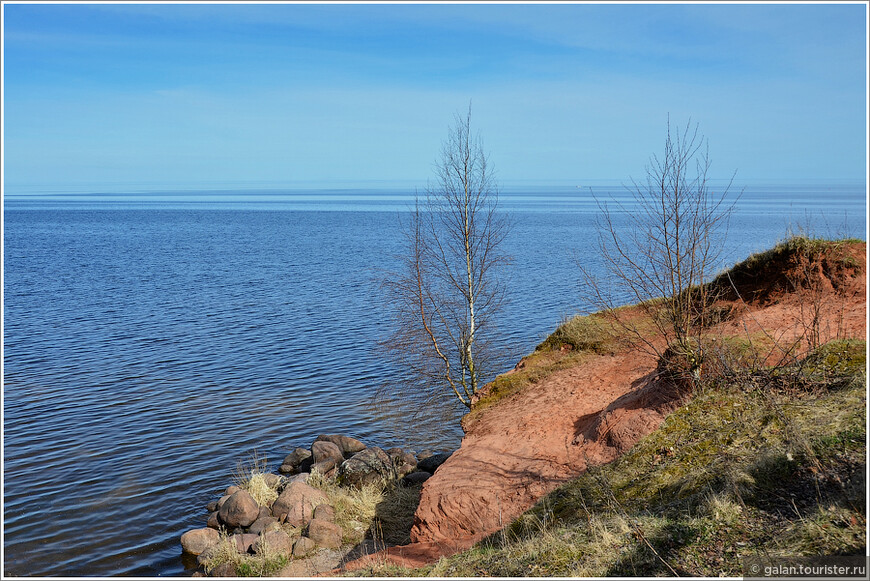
pixel 148 351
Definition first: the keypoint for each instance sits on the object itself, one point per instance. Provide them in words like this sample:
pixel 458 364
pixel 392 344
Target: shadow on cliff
pixel 631 416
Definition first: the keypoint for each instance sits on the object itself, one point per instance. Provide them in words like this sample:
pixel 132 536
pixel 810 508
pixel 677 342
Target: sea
pixel 156 341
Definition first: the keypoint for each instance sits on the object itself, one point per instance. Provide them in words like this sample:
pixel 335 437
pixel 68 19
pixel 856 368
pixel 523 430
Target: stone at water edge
pixel 348 446
pixel 221 501
pixel 197 541
pixel 370 466
pixel 322 450
pixel 431 463
pixel 299 460
pixel 231 490
pixel 214 521
pixel 240 510
pixel 297 502
pixel 415 478
pixel 303 546
pixel 401 456
pixel 405 469
pixel 274 542
pixel 211 506
pixel 325 534
pixel 325 467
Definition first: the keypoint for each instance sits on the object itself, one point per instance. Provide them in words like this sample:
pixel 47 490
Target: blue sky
pixel 165 95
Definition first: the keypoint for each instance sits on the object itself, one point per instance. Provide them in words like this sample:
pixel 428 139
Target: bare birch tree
pixel 663 247
pixel 450 286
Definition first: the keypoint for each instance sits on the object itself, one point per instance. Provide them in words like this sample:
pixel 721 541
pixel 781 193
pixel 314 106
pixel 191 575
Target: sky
pixel 113 96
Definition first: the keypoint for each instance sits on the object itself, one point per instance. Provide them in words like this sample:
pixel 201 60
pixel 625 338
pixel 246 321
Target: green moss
pixel 843 358
pixel 587 333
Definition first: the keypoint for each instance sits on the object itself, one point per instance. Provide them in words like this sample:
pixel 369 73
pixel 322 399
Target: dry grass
pixel 769 460
pixel 251 475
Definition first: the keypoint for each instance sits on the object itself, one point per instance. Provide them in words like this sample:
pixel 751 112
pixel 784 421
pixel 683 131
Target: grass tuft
pixel 252 475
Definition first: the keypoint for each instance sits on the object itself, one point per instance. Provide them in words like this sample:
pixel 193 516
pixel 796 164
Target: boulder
pixel 401 457
pixel 239 510
pixel 296 503
pixel 225 569
pixel 324 512
pixel 262 524
pixel 197 541
pixel 323 450
pixel 325 534
pixel 415 478
pixel 325 467
pixel 221 501
pixel 431 463
pixel 348 446
pixel 299 460
pixel 231 490
pixel 264 512
pixel 274 542
pixel 214 522
pixel 405 469
pixel 273 481
pixel 211 506
pixel 303 546
pixel 370 466
pixel 245 542
pixel 303 477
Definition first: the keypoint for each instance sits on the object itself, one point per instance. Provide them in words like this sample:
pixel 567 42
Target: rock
pixel 231 490
pixel 431 463
pixel 221 501
pixel 274 542
pixel 415 478
pixel 303 477
pixel 299 460
pixel 303 546
pixel 265 511
pixel 404 470
pixel 348 446
pixel 322 450
pixel 401 457
pixel 424 454
pixel 325 534
pixel 272 480
pixel 239 510
pixel 262 524
pixel 226 569
pixel 296 503
pixel 370 466
pixel 325 467
pixel 324 512
pixel 197 541
pixel 245 542
pixel 214 522
pixel 211 506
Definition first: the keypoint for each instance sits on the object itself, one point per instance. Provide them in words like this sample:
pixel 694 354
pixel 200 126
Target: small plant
pixel 252 475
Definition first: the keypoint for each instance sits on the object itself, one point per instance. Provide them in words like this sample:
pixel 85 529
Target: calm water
pixel 153 341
